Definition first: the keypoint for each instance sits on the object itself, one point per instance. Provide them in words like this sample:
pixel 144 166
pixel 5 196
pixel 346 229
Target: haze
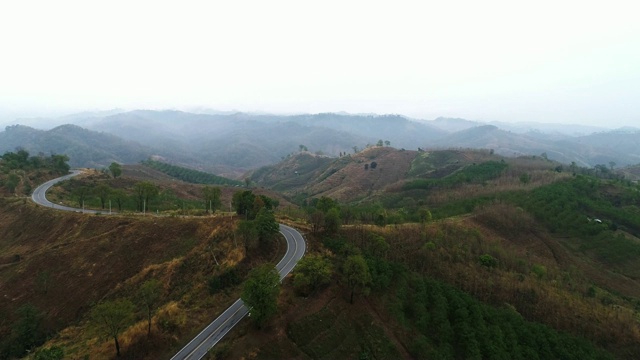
pixel 547 61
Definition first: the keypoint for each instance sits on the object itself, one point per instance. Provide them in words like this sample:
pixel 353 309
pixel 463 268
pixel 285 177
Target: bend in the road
pixel 218 328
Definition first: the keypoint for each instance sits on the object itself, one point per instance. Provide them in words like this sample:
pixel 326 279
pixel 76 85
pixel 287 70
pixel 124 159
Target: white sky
pixel 547 61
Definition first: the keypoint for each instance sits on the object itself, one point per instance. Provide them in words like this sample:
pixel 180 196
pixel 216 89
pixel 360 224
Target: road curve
pixel 39 195
pixel 198 347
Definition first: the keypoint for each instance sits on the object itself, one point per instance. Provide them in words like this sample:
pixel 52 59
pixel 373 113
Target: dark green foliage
pixel 312 272
pixel 14 167
pixel 260 293
pixel 471 174
pixel 332 221
pixel 115 169
pixel 266 224
pixel 190 175
pixel 52 353
pixel 248 233
pixel 212 197
pixel 144 192
pixel 488 261
pixel 26 333
pixel 451 324
pixel 227 279
pixel 247 204
pixel 356 275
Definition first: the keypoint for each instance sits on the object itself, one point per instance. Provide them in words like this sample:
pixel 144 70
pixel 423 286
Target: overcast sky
pixel 547 61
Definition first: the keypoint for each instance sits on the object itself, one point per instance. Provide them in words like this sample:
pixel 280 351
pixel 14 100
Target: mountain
pixel 454 124
pixel 84 147
pixel 622 148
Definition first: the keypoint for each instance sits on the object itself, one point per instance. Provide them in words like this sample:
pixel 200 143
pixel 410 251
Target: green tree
pixel 316 218
pixel 81 194
pixel 119 196
pixel 387 143
pixel 149 295
pixel 26 332
pixel 356 275
pixel 115 169
pixel 112 317
pixel 380 142
pixel 260 293
pixel 332 221
pixel 212 197
pixel 267 225
pixel 425 215
pixel 248 232
pixel 102 191
pixel 59 163
pixel 312 272
pixel 12 182
pixel 144 192
pixel 243 202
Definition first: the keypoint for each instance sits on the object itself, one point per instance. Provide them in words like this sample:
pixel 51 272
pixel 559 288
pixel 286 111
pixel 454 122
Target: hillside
pixel 84 148
pixel 348 178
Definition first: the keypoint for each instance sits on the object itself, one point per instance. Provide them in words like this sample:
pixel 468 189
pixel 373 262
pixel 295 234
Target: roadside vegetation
pixel 463 254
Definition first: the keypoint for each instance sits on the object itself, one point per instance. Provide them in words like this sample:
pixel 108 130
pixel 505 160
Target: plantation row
pixel 190 175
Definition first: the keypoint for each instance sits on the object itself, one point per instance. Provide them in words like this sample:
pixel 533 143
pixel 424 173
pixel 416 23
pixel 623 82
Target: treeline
pixel 19 170
pixel 142 196
pixel 189 175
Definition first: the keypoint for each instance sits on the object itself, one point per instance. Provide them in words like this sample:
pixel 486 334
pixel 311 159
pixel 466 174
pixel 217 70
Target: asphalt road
pixel 214 332
pixel 198 347
pixel 40 198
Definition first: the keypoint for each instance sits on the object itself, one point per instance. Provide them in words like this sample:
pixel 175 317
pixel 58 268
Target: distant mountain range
pixel 230 144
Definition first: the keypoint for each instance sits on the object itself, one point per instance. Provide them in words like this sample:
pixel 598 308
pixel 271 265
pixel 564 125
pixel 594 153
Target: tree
pixel 112 317
pixel 59 163
pixel 115 169
pixel 212 197
pixel 312 272
pixel 316 219
pixel 356 275
pixel 425 215
pixel 374 165
pixel 26 332
pixel 248 232
pixel 302 148
pixel 260 293
pixel 12 182
pixel 81 194
pixel 332 221
pixel 612 164
pixel 119 196
pixel 102 191
pixel 243 202
pixel 387 143
pixel 266 224
pixel 144 192
pixel 149 295
pixel 380 143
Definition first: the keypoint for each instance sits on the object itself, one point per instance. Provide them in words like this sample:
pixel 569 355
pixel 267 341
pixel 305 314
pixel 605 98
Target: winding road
pixel 198 347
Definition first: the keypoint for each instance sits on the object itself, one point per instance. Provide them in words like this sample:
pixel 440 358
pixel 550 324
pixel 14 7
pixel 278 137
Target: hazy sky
pixel 548 61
